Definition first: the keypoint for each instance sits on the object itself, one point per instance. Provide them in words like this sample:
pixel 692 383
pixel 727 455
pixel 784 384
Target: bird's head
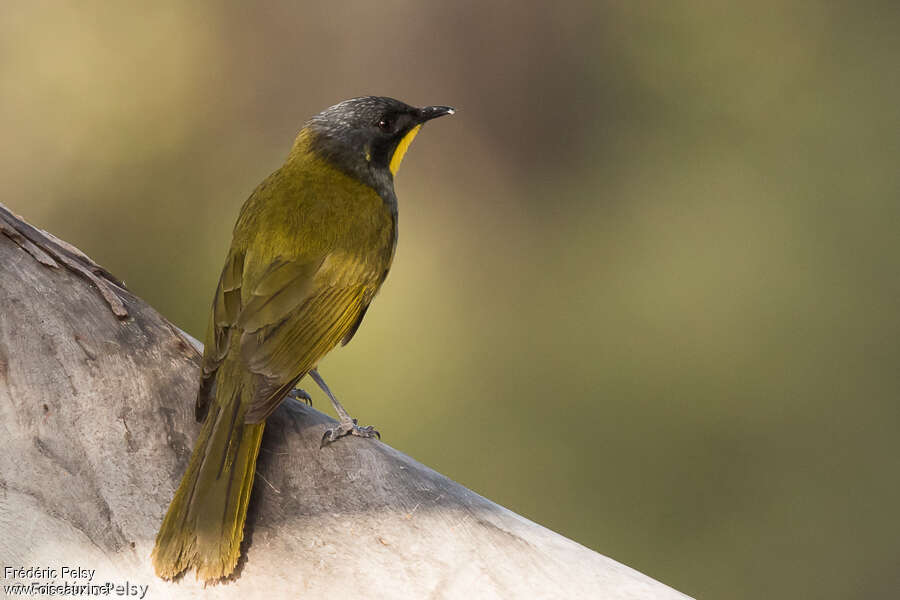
pixel 367 137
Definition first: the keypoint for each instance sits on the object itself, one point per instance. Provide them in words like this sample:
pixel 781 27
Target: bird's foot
pixel 348 427
pixel 300 396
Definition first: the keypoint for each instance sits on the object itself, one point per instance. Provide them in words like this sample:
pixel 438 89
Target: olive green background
pixel 646 290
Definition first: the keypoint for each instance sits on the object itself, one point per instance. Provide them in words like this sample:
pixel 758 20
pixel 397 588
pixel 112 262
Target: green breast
pixel 309 208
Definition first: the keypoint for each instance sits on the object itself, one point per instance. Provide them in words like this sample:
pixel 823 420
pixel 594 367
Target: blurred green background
pixel 646 290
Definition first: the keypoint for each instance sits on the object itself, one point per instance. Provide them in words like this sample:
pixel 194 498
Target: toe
pixel 366 432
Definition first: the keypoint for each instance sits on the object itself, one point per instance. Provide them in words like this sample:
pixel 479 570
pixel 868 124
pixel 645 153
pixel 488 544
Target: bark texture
pixel 96 418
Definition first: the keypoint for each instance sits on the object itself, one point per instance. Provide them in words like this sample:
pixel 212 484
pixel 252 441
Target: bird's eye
pixel 386 124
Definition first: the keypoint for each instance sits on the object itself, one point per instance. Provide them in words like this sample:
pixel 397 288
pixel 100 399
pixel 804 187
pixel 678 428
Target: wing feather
pixel 295 315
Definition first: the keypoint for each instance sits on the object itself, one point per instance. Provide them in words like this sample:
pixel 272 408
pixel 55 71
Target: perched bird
pixel 310 249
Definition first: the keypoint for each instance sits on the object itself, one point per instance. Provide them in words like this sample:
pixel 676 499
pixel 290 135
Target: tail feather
pixel 204 525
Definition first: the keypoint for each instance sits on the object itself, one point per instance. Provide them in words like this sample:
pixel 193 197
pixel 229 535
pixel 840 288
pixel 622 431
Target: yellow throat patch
pixel 402 147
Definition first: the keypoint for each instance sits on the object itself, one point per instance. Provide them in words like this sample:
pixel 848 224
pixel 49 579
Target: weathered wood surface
pixel 96 417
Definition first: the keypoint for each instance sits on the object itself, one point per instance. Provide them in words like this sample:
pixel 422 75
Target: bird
pixel 310 250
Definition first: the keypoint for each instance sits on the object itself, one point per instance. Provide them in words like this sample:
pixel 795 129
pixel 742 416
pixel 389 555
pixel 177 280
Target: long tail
pixel 204 525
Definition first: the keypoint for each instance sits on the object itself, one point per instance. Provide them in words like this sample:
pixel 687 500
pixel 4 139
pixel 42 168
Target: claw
pixel 300 395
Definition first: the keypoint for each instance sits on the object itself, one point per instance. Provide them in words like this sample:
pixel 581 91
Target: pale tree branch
pixel 97 420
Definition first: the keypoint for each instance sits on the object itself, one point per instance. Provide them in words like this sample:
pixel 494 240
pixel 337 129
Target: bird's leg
pixel 300 396
pixel 347 424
